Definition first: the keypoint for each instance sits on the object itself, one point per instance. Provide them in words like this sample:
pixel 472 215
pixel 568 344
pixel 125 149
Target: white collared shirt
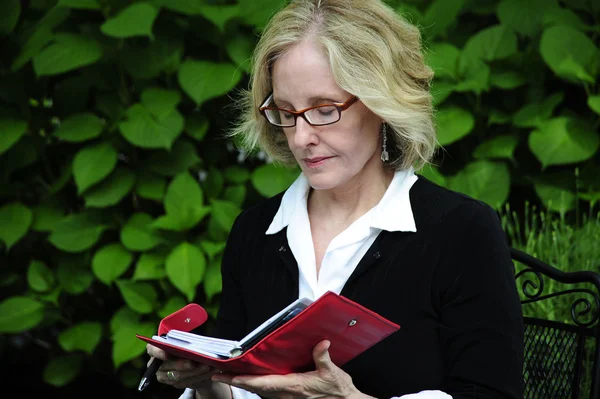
pixel 392 213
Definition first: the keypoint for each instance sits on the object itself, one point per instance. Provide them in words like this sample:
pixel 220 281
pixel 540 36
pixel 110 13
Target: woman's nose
pixel 305 133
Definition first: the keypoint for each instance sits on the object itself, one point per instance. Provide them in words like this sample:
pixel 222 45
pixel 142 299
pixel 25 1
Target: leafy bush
pixel 118 192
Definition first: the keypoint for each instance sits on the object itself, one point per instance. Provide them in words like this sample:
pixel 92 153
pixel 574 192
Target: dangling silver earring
pixel 384 154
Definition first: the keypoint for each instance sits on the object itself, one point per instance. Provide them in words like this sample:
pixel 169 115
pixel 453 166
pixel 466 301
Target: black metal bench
pixel 562 340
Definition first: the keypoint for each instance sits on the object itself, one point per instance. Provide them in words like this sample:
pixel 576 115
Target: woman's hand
pixel 183 373
pixel 327 380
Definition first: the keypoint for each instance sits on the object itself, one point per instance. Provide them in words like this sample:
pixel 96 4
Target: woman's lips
pixel 315 162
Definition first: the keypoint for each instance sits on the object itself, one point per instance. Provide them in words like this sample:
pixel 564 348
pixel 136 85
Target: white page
pixel 301 303
pixel 222 348
pixel 192 347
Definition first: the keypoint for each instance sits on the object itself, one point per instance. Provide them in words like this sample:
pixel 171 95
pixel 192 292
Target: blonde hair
pixel 374 54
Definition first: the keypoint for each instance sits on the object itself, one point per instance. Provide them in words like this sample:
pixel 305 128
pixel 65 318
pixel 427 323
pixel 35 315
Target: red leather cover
pixel 350 327
pixel 185 319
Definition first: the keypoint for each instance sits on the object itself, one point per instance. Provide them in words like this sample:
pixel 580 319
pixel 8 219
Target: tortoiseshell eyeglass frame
pixel 339 106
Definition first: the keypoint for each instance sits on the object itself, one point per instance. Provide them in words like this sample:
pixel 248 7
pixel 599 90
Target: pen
pixel 150 372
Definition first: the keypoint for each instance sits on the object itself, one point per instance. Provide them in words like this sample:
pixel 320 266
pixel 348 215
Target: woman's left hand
pixel 327 380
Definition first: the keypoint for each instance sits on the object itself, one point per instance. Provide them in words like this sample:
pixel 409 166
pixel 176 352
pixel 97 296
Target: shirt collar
pixel 392 213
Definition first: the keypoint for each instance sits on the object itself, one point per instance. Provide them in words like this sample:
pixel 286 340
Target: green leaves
pixel 440 15
pixel 524 18
pixel 150 60
pixel 150 186
pixel 483 180
pixel 498 147
pixel 46 216
pixel 536 113
pixel 225 213
pixel 39 276
pixel 80 4
pixel 183 204
pixel 185 267
pixel 67 52
pixel 257 12
pixel 15 219
pixel 127 346
pixel 555 198
pixel 270 180
pixel 150 266
pixel 493 43
pixel 135 20
pixel 160 102
pixel 188 7
pixel 112 190
pixel 79 127
pixel 140 297
pixel 594 103
pixel 213 282
pixel 76 233
pixel 203 80
pixel 92 164
pixel 443 59
pixel 569 53
pixel 74 276
pixel 146 130
pixel 562 141
pixel 81 337
pixel 453 123
pixel 507 80
pixel 11 130
pixel 220 15
pixel 137 235
pixel 178 160
pixel 239 49
pixel 19 313
pixel 61 370
pixel 490 44
pixel 110 262
pixel 10 11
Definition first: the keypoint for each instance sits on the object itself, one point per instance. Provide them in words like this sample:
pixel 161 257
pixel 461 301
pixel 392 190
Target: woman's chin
pixel 324 181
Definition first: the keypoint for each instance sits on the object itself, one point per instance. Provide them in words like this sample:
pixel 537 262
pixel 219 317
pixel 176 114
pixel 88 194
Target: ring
pixel 171 375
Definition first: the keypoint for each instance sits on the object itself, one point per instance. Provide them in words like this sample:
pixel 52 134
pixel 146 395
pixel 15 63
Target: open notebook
pixel 282 344
pixel 224 348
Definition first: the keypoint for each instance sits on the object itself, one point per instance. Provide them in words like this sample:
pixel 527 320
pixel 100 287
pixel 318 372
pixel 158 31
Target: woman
pixel 340 88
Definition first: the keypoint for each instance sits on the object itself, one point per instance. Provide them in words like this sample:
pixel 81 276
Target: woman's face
pixel 333 156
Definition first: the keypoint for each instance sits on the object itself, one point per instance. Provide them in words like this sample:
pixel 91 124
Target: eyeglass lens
pixel 317 116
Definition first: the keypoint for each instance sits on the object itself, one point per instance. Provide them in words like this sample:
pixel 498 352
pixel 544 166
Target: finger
pixel 156 352
pixel 198 374
pixel 151 360
pixel 258 383
pixel 185 364
pixel 321 355
pixel 220 376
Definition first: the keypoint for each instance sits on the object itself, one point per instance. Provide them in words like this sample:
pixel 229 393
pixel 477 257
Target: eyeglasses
pixel 319 115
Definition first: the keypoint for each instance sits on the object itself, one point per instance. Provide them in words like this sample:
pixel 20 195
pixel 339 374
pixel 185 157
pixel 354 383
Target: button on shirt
pixel 392 213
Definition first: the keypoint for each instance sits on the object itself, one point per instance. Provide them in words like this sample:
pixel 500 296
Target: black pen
pixel 150 372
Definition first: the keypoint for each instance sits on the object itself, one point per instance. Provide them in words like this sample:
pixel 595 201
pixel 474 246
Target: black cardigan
pixel 450 286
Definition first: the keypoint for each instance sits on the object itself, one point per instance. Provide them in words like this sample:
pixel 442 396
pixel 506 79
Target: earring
pixel 384 154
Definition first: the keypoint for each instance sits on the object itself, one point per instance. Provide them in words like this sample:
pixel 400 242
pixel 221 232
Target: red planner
pixel 350 327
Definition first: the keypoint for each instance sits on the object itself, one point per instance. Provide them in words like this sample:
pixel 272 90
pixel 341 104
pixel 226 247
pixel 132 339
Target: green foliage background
pixel 117 191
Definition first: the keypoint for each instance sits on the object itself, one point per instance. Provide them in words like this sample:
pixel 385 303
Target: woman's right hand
pixel 183 373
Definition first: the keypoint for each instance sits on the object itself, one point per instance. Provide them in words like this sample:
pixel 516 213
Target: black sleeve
pixel 482 321
pixel 231 318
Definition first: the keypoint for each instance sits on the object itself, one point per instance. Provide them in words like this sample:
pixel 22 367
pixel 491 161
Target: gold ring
pixel 171 375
